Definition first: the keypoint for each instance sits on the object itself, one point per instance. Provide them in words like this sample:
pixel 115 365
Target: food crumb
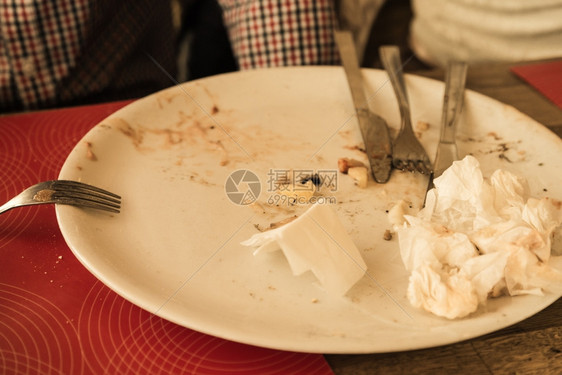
pixel 504 157
pixel 494 135
pixel 387 236
pixel 360 175
pixel 422 126
pixel 282 222
pixel 314 300
pixel 44 195
pixel 89 153
pixel 344 164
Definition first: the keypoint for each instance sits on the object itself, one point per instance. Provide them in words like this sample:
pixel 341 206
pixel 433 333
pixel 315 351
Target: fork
pixel 408 153
pixel 65 192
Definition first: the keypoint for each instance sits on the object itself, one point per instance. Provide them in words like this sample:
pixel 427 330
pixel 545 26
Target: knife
pixel 373 127
pixel 447 152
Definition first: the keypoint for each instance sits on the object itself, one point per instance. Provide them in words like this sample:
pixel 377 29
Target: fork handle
pixel 390 58
pixel 453 99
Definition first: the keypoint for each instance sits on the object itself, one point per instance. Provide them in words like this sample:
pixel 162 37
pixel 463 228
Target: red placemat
pixel 545 77
pixel 56 317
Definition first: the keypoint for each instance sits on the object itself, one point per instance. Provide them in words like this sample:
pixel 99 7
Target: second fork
pixel 408 153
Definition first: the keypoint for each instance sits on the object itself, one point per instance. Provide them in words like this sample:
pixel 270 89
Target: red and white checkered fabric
pixel 53 52
pixel 39 42
pixel 56 52
pixel 268 33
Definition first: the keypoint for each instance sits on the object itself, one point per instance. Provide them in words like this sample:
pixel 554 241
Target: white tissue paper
pixel 477 238
pixel 316 241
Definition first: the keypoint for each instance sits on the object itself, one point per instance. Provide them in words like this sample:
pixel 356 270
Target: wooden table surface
pixel 533 346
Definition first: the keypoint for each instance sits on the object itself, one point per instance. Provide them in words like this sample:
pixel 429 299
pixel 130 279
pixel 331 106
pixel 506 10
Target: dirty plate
pixel 198 167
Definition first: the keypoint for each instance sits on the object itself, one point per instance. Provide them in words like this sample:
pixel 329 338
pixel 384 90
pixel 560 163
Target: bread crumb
pixel 344 164
pixel 387 236
pixel 360 175
pixel 422 126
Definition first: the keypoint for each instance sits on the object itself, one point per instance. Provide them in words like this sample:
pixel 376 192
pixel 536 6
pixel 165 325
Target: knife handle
pixel 350 63
pixel 453 99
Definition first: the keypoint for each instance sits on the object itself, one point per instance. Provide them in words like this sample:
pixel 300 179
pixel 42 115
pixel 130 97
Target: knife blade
pixel 374 129
pixel 447 152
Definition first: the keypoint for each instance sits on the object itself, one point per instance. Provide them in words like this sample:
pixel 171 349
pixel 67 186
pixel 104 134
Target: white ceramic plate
pixel 175 248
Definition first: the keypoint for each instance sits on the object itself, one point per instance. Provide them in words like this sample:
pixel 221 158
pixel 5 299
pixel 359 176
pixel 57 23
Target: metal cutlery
pixel 374 129
pixel 455 79
pixel 408 153
pixel 65 192
pixel 447 152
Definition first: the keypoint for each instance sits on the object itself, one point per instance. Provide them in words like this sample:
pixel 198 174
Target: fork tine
pixel 94 197
pixel 409 165
pixel 86 194
pixel 77 193
pixel 78 201
pixel 421 166
pixel 81 186
pixel 412 166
